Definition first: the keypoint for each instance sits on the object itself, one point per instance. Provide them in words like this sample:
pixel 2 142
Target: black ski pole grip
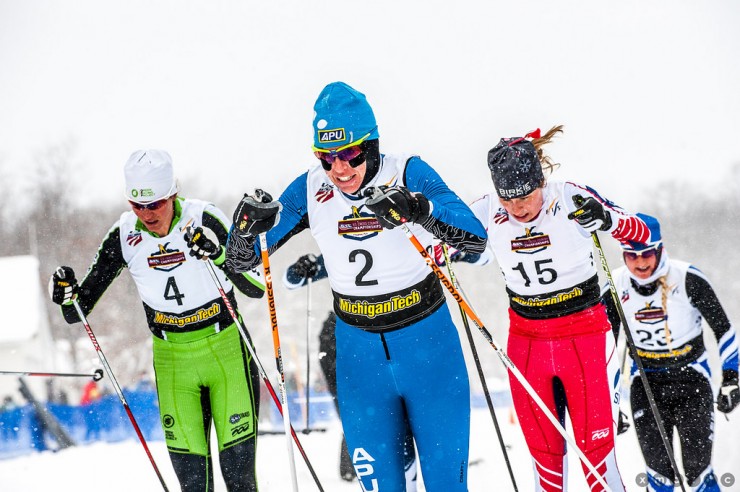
pixel 578 200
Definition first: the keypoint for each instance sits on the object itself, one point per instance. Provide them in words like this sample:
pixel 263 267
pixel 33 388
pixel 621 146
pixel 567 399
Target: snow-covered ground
pixel 125 467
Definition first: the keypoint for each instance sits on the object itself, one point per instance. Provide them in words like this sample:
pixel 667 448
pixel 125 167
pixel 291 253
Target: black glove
pixel 591 215
pixel 396 205
pixel 623 424
pixel 306 266
pixel 201 246
pixel 256 214
pixel 729 393
pixel 63 285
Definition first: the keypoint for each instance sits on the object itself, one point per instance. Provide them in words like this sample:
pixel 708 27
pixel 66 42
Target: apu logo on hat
pixel 331 136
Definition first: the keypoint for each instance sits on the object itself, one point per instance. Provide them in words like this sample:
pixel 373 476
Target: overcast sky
pixel 647 91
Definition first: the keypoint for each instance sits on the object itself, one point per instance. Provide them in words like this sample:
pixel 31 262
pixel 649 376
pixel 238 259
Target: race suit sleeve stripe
pixel 631 229
pixel 106 267
pixel 241 281
pixel 703 297
pixel 451 220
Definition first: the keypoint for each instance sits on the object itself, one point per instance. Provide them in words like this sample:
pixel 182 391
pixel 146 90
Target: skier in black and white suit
pixel 664 303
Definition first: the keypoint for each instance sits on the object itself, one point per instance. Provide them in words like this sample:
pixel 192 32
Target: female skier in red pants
pixel 559 335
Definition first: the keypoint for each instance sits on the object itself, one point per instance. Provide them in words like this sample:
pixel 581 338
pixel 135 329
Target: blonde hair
pixel 548 166
pixel 664 301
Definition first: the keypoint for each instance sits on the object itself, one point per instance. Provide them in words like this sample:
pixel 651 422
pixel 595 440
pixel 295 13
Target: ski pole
pixel 634 355
pixel 482 377
pixel 96 376
pixel 502 354
pixel 623 377
pixel 278 355
pixel 117 387
pixel 263 373
pixel 307 428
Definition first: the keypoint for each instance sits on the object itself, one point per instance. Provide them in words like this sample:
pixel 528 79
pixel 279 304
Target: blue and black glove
pixel 396 205
pixel 305 267
pixel 256 214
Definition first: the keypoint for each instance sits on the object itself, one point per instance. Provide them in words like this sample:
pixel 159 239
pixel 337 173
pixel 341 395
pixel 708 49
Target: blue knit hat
pixel 655 240
pixel 342 116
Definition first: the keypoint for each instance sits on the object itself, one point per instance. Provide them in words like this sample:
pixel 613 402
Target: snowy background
pixel 124 466
pixel 647 91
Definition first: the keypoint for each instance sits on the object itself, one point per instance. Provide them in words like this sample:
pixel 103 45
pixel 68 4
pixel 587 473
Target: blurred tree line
pixel 46 221
pixel 697 227
pixel 53 228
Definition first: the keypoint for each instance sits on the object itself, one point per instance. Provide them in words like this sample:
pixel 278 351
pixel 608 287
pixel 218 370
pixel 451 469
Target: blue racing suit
pixel 398 351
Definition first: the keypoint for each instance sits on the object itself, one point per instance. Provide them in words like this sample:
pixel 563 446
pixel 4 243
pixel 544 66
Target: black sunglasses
pixel 149 206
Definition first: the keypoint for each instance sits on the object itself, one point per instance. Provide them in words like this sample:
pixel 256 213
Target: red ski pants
pixel 572 371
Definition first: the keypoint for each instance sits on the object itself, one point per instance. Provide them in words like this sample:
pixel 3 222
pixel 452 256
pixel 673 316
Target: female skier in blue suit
pixel 398 351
